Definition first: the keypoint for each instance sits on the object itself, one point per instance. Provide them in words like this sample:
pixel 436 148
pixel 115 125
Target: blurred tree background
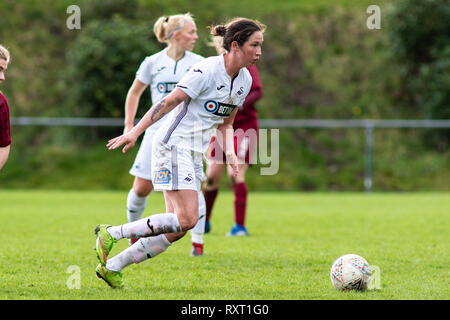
pixel 320 61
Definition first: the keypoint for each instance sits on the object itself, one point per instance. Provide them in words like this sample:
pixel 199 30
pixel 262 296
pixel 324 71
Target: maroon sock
pixel 240 202
pixel 210 197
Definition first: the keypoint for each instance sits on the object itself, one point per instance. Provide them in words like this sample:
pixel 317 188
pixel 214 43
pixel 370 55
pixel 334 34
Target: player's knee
pixel 232 180
pixel 236 180
pixel 143 189
pixel 211 183
pixel 192 220
pixel 172 237
pixel 187 219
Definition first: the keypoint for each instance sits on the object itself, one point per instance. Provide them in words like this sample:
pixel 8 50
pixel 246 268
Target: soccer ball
pixel 350 272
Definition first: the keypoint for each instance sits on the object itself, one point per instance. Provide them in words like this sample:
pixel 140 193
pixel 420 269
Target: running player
pixel 161 72
pixel 245 127
pixel 205 99
pixel 5 134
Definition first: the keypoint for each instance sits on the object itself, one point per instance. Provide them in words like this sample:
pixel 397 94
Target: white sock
pixel 199 229
pixel 151 226
pixel 143 249
pixel 135 206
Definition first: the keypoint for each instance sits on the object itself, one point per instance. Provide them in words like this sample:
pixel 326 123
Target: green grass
pixel 294 239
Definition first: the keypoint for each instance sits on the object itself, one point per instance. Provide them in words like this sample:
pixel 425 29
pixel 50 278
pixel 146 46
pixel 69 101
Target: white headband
pixel 181 25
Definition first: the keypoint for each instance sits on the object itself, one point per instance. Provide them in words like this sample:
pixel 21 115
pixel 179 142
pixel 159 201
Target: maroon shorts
pixel 245 142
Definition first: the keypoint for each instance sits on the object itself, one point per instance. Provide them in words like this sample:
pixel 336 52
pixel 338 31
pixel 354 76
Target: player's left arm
pixel 226 140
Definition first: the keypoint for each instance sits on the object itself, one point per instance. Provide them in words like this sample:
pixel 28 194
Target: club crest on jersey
pixel 166 87
pixel 219 108
pixel 162 177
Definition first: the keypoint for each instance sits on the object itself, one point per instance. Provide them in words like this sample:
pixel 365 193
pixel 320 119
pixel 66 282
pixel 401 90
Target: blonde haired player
pixel 161 72
pixel 206 99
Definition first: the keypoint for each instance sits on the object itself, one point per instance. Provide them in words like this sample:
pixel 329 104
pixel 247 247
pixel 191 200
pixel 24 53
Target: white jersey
pixel 162 73
pixel 213 97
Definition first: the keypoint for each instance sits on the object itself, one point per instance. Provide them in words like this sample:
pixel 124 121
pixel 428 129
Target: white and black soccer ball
pixel 350 272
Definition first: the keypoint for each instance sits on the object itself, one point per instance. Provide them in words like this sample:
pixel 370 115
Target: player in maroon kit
pixel 246 128
pixel 5 136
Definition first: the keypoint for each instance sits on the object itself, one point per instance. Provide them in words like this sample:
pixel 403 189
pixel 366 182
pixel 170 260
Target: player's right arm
pixel 155 113
pixel 132 103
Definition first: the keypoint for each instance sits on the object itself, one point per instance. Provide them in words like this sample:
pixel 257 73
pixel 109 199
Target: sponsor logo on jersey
pixel 162 177
pixel 220 87
pixel 211 106
pixel 219 108
pixel 166 87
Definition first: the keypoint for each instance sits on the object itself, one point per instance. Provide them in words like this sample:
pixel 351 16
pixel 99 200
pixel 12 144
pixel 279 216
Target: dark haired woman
pixel 205 100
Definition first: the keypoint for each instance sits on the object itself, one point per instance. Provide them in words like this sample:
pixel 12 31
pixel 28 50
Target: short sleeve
pixel 194 82
pixel 144 73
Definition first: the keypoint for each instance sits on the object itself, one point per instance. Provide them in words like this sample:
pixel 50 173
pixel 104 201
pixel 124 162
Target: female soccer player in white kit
pixel 205 99
pixel 161 71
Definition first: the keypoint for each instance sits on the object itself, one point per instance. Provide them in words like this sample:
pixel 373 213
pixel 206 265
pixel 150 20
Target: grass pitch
pixel 47 240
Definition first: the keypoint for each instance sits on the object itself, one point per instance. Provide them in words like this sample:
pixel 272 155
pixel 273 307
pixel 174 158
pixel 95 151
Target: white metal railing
pixel 264 123
pixel 368 125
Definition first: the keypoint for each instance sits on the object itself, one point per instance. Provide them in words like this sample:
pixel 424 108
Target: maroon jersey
pixel 247 116
pixel 5 135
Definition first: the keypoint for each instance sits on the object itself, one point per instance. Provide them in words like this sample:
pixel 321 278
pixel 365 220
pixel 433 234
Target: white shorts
pixel 142 166
pixel 175 168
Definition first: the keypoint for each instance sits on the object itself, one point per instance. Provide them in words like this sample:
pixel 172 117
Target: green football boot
pixel 112 278
pixel 104 243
